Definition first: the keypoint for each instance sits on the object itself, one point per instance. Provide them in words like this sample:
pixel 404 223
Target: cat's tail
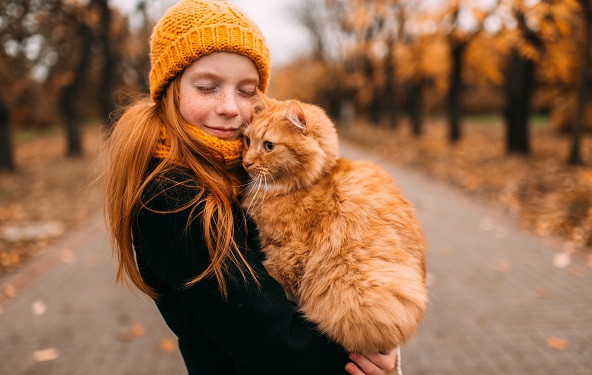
pixel 368 310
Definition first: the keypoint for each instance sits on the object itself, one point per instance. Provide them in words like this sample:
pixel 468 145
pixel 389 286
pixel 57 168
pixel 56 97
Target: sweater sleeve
pixel 256 326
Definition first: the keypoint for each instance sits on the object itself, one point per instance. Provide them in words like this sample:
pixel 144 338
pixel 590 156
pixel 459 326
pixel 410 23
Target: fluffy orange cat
pixel 337 233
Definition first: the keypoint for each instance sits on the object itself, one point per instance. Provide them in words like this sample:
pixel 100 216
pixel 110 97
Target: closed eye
pixel 205 88
pixel 246 92
pixel 247 142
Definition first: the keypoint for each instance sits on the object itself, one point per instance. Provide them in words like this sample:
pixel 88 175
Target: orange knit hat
pixel 194 28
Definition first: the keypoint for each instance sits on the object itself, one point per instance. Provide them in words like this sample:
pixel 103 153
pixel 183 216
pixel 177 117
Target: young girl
pixel 172 184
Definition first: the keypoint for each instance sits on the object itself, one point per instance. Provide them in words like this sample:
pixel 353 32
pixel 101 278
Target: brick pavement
pixel 495 296
pixel 496 299
pixel 95 325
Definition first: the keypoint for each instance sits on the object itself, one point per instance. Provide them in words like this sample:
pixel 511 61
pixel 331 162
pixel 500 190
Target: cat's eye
pixel 268 146
pixel 247 141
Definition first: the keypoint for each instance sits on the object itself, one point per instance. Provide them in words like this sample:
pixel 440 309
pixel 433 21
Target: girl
pixel 172 185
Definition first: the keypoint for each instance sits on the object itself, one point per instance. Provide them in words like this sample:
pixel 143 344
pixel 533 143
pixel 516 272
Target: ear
pixel 295 114
pixel 259 103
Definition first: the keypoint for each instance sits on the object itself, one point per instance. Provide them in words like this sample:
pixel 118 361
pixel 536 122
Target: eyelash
pixel 209 89
pixel 205 88
pixel 247 93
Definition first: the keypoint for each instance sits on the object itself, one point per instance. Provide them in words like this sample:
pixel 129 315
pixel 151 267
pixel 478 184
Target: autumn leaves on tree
pixel 514 57
pixel 62 62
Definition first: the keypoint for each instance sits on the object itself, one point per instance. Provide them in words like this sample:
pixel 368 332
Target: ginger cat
pixel 337 233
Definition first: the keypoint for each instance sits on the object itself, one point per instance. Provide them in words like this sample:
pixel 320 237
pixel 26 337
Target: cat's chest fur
pixel 311 224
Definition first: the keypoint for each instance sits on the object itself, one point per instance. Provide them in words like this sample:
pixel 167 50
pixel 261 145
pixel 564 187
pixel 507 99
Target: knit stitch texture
pixel 229 150
pixel 195 28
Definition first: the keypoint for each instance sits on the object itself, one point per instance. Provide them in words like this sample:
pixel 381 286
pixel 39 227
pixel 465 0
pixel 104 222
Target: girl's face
pixel 216 93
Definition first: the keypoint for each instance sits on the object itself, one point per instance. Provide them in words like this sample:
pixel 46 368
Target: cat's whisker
pixel 257 191
pixel 264 191
pixel 252 188
pixel 260 192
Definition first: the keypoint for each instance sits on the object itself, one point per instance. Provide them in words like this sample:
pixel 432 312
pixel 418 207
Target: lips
pixel 222 132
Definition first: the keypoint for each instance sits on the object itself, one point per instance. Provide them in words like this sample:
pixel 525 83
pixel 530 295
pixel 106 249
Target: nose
pixel 228 105
pixel 247 164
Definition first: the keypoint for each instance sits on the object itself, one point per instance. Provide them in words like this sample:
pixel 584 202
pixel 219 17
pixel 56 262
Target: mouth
pixel 221 132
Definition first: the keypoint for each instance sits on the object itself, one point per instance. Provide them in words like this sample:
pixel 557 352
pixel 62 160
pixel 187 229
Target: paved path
pixel 496 301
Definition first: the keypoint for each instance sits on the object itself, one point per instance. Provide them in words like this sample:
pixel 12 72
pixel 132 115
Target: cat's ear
pixel 295 114
pixel 259 102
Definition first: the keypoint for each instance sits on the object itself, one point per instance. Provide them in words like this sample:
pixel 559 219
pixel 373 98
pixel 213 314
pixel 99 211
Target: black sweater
pixel 256 330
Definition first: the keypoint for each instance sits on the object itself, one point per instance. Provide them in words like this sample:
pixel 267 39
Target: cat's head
pixel 289 144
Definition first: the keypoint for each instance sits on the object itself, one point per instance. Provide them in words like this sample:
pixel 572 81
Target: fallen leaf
pixel 543 292
pixel 48 354
pixel 137 330
pixel 503 265
pixel 562 259
pixel 132 333
pixel 66 256
pixel 167 345
pixel 557 343
pixel 9 290
pixel 38 308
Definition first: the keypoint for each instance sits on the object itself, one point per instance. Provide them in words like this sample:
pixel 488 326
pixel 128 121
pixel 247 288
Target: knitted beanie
pixel 194 28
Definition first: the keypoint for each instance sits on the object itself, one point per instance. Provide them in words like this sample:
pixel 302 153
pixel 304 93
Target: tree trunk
pixel 6 150
pixel 415 101
pixel 390 90
pixel 519 91
pixel 108 69
pixel 575 155
pixel 454 93
pixel 70 95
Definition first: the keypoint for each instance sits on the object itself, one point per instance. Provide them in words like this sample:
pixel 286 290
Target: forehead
pixel 224 65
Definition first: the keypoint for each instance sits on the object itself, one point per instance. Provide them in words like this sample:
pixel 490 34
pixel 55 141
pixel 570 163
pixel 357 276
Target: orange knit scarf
pixel 230 150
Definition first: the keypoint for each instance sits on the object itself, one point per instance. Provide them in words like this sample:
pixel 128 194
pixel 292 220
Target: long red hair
pixel 129 150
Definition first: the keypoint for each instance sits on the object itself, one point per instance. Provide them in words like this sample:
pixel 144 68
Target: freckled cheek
pixel 246 110
pixel 195 112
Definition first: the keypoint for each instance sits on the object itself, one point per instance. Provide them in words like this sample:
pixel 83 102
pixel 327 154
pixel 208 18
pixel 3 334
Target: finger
pixel 353 369
pixel 365 364
pixel 385 361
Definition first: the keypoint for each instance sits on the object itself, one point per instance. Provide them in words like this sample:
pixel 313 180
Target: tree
pixel 520 84
pixel 545 34
pixel 459 37
pixel 368 31
pixel 109 58
pixel 575 156
pixel 71 92
pixel 6 153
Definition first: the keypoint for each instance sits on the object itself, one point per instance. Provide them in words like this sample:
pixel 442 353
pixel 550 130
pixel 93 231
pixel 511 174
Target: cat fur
pixel 337 234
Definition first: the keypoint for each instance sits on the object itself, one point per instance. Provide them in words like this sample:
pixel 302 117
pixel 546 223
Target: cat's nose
pixel 246 164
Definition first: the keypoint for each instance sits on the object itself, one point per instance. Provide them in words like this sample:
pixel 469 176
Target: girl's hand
pixel 372 364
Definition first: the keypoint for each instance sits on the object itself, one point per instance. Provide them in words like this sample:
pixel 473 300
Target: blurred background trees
pixel 513 57
pixel 63 62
